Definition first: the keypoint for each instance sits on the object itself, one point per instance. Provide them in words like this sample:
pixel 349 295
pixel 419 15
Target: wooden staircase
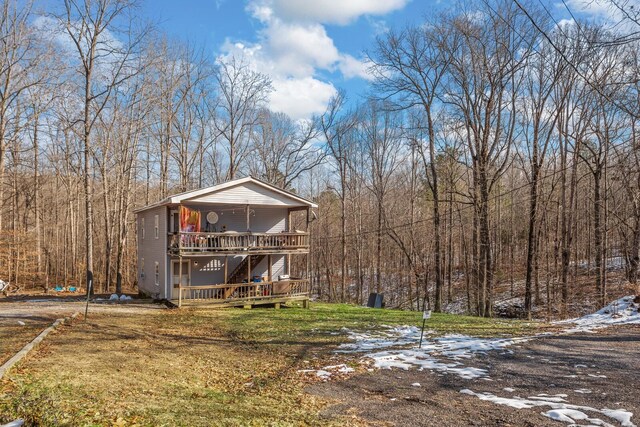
pixel 240 272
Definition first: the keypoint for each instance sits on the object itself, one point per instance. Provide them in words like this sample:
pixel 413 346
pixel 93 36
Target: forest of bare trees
pixel 496 157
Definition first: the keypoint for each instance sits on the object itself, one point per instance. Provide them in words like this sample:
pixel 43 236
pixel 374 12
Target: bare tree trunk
pixel 532 233
pixel 598 235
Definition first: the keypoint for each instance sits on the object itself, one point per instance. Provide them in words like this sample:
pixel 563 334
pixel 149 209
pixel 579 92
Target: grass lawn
pixel 196 367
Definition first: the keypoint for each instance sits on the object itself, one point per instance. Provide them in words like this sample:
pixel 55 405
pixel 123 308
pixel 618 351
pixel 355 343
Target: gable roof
pixel 262 193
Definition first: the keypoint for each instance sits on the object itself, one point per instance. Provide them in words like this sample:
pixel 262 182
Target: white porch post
pixel 179 280
pixel 290 229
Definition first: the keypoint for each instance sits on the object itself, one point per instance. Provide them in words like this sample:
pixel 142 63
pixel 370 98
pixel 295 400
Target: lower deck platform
pixel 243 302
pixel 243 294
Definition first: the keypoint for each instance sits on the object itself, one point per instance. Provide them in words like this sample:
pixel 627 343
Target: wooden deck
pixel 244 294
pixel 232 243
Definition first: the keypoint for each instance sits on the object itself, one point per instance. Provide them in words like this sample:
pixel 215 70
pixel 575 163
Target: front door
pixel 175 276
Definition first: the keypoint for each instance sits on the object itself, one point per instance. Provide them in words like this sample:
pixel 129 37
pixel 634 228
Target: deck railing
pixel 230 241
pixel 243 292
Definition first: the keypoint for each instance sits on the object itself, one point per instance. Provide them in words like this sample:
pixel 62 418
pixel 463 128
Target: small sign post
pixel 425 315
pixel 89 287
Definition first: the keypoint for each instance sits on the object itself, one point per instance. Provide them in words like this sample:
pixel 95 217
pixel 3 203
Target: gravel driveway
pixel 21 320
pixel 598 370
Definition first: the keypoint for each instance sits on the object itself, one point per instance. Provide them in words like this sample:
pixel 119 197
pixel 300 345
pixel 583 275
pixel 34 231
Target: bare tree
pixel 409 68
pixel 105 63
pixel 19 55
pixel 242 91
pixel 382 135
pixel 337 128
pixel 283 150
pixel 481 90
pixel 539 117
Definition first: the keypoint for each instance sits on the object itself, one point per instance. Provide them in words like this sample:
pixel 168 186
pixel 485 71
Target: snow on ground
pixel 388 336
pixel 560 409
pixel 326 372
pixel 397 347
pixel 619 312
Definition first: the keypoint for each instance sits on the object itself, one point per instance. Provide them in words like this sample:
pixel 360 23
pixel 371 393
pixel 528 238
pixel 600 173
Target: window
pixel 157 274
pixel 142 227
pixel 142 268
pixel 156 229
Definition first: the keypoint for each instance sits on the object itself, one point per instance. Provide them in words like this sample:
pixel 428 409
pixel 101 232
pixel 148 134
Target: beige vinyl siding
pixel 247 193
pixel 210 270
pixel 152 250
pixel 262 219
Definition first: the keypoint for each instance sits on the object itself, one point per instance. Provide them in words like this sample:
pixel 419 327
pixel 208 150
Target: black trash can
pixel 375 300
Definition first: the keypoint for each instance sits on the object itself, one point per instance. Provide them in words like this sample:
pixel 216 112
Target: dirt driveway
pixel 21 320
pixel 599 370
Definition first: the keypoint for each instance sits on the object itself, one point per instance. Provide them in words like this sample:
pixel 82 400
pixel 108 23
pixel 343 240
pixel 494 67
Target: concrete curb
pixel 37 340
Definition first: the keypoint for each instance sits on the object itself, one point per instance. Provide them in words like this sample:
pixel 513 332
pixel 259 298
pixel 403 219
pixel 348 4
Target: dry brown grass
pixel 160 368
pixel 196 367
pixel 14 335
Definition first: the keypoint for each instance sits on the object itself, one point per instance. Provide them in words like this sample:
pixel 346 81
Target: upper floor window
pixel 156 226
pixel 142 228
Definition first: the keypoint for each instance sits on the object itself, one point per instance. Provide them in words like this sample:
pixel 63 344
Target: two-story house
pixel 229 244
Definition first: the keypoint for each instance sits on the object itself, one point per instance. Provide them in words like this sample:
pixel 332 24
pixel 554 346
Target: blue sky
pixel 309 48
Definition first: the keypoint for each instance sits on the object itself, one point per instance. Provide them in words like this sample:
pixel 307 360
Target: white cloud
pixel 605 12
pixel 379 26
pixel 300 48
pixel 301 98
pixel 334 11
pixel 565 23
pixel 595 8
pixel 351 67
pixel 293 46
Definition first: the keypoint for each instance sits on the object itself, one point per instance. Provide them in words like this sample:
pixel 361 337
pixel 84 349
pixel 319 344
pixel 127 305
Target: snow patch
pixel 565 415
pixel 622 416
pixel 547 398
pixel 326 372
pixel 396 347
pixel 398 336
pixel 619 312
pixel 560 411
